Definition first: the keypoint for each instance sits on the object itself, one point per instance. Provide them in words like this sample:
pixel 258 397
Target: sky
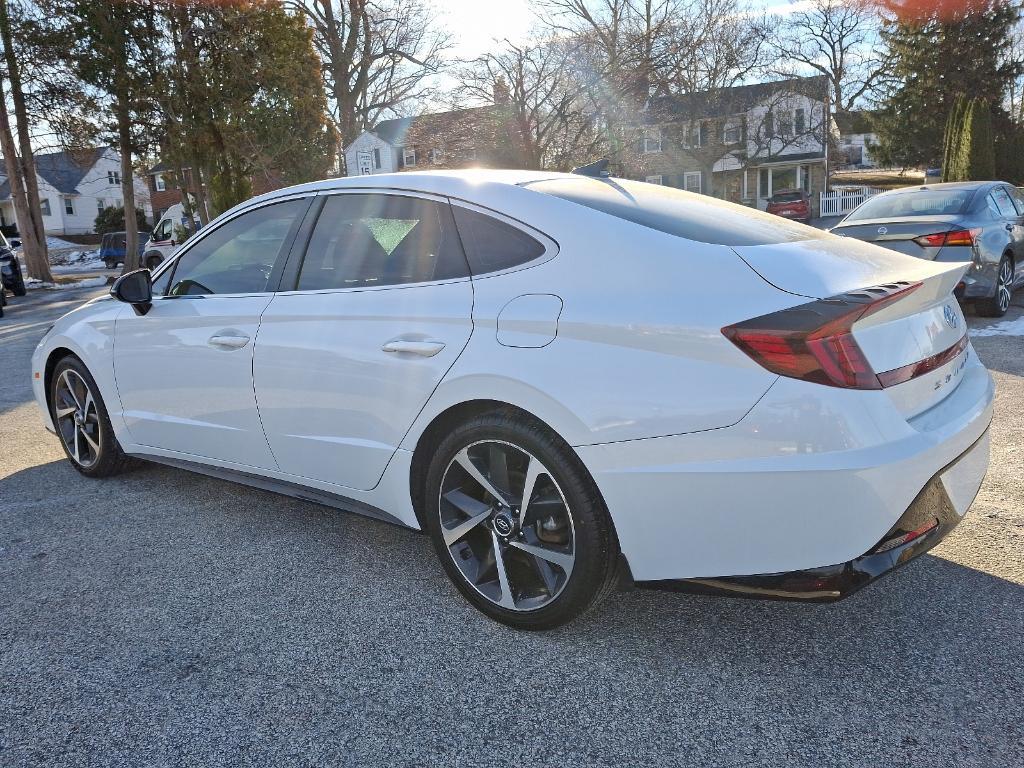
pixel 476 23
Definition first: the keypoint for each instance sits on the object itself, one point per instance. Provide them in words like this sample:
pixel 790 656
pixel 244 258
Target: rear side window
pixel 1004 203
pixel 373 240
pixel 492 245
pixel 694 216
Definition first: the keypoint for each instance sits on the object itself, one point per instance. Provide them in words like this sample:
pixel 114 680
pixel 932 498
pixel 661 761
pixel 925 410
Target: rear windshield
pixel 786 197
pixel 683 214
pixel 915 202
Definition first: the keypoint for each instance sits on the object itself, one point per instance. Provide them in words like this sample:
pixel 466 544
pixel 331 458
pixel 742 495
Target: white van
pixel 164 239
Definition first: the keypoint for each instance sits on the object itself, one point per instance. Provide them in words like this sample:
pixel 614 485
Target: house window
pixel 732 134
pixel 113 178
pixel 44 206
pixel 768 125
pixel 800 120
pixel 654 179
pixel 652 141
pixel 409 157
pixel 785 124
pixel 69 206
pixel 101 205
pixel 471 154
pixel 376 159
pixel 691 181
pixel 437 155
pixel 161 184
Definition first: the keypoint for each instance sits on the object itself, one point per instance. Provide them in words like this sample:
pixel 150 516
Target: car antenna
pixel 596 170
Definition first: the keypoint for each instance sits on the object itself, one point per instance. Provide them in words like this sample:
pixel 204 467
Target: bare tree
pixel 834 38
pixel 377 56
pixel 21 168
pixel 538 101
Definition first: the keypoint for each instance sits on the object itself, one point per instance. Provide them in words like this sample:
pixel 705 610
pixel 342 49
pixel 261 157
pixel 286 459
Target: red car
pixel 791 204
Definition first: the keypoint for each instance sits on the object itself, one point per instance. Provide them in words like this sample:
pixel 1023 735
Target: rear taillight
pixel 814 341
pixel 954 237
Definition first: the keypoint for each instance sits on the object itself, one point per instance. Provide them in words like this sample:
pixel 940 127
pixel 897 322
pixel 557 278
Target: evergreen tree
pixel 976 152
pixel 952 139
pixel 931 65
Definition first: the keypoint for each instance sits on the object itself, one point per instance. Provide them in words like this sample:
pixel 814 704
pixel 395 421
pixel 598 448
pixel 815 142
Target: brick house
pixel 164 190
pixel 742 144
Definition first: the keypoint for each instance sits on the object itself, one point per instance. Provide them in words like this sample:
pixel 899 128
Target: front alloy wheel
pixel 77 418
pixel 81 421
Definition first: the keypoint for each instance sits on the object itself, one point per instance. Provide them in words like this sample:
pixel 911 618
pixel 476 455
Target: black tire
pixel 594 572
pixel 997 304
pixel 19 289
pixel 109 459
pixel 109 263
pixel 152 261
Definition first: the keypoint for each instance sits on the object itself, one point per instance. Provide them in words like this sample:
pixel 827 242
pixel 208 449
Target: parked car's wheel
pixel 997 305
pixel 518 523
pixel 109 263
pixel 19 289
pixel 153 260
pixel 82 423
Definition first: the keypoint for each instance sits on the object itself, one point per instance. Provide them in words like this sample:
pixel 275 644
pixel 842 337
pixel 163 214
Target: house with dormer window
pixel 742 144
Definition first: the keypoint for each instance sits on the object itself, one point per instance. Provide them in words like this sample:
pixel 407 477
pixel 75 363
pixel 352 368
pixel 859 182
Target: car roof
pixel 455 183
pixel 951 185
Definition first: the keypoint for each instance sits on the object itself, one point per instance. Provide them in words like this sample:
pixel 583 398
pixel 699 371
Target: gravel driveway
pixel 162 618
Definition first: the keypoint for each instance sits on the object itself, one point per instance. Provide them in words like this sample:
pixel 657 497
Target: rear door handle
pixel 228 341
pixel 422 348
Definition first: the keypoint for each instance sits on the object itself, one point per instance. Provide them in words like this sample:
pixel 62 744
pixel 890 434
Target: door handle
pixel 228 341
pixel 422 348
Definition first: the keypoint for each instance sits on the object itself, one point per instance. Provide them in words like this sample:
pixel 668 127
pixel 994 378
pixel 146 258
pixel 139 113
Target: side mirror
pixel 15 242
pixel 134 288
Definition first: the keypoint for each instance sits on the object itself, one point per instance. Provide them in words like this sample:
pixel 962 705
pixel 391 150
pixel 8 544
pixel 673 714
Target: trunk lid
pixel 899 233
pixel 915 336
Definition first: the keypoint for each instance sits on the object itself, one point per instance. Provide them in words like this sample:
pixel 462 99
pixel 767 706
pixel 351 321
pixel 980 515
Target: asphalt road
pixel 164 619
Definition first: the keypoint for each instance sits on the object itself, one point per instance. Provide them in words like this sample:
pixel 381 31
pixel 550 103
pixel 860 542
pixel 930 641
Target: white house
pixel 73 188
pixel 856 138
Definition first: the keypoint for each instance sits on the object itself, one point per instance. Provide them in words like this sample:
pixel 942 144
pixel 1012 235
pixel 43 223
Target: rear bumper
pixel 937 510
pixel 811 477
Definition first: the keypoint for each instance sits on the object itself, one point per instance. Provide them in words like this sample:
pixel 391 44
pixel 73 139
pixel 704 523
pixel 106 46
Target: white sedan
pixel 566 381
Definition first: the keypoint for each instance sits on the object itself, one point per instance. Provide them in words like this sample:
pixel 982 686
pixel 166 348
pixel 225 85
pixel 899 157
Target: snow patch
pixel 90 282
pixel 1005 328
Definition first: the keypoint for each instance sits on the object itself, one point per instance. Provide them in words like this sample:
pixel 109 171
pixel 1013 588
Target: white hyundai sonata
pixel 566 381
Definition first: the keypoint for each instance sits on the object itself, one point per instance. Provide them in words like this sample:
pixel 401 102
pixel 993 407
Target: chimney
pixel 501 92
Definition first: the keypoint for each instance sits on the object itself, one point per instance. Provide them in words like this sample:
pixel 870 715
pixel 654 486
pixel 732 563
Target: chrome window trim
pixel 220 221
pixel 431 196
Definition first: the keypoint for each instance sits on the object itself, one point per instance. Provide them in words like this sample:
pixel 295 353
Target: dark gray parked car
pixel 977 221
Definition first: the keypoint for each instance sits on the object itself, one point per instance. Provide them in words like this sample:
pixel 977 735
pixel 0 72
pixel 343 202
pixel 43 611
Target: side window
pixel 1018 199
pixel 992 207
pixel 492 245
pixel 163 232
pixel 376 239
pixel 238 256
pixel 161 283
pixel 1003 202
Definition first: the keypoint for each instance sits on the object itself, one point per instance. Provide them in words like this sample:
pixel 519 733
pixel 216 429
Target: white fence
pixel 839 201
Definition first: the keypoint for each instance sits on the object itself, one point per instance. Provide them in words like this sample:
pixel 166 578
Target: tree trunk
pixel 186 201
pixel 21 170
pixel 131 224
pixel 202 205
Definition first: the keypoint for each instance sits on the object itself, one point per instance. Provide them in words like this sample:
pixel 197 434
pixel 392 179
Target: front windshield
pixel 915 202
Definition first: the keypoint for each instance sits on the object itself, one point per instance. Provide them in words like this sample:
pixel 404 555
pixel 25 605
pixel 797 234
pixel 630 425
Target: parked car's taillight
pixel 953 237
pixel 814 341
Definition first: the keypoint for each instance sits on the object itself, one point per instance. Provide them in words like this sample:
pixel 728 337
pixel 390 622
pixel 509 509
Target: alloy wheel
pixel 507 525
pixel 1003 285
pixel 78 420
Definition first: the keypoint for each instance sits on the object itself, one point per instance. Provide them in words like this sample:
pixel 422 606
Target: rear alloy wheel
pixel 81 420
pixel 1000 301
pixel 518 523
